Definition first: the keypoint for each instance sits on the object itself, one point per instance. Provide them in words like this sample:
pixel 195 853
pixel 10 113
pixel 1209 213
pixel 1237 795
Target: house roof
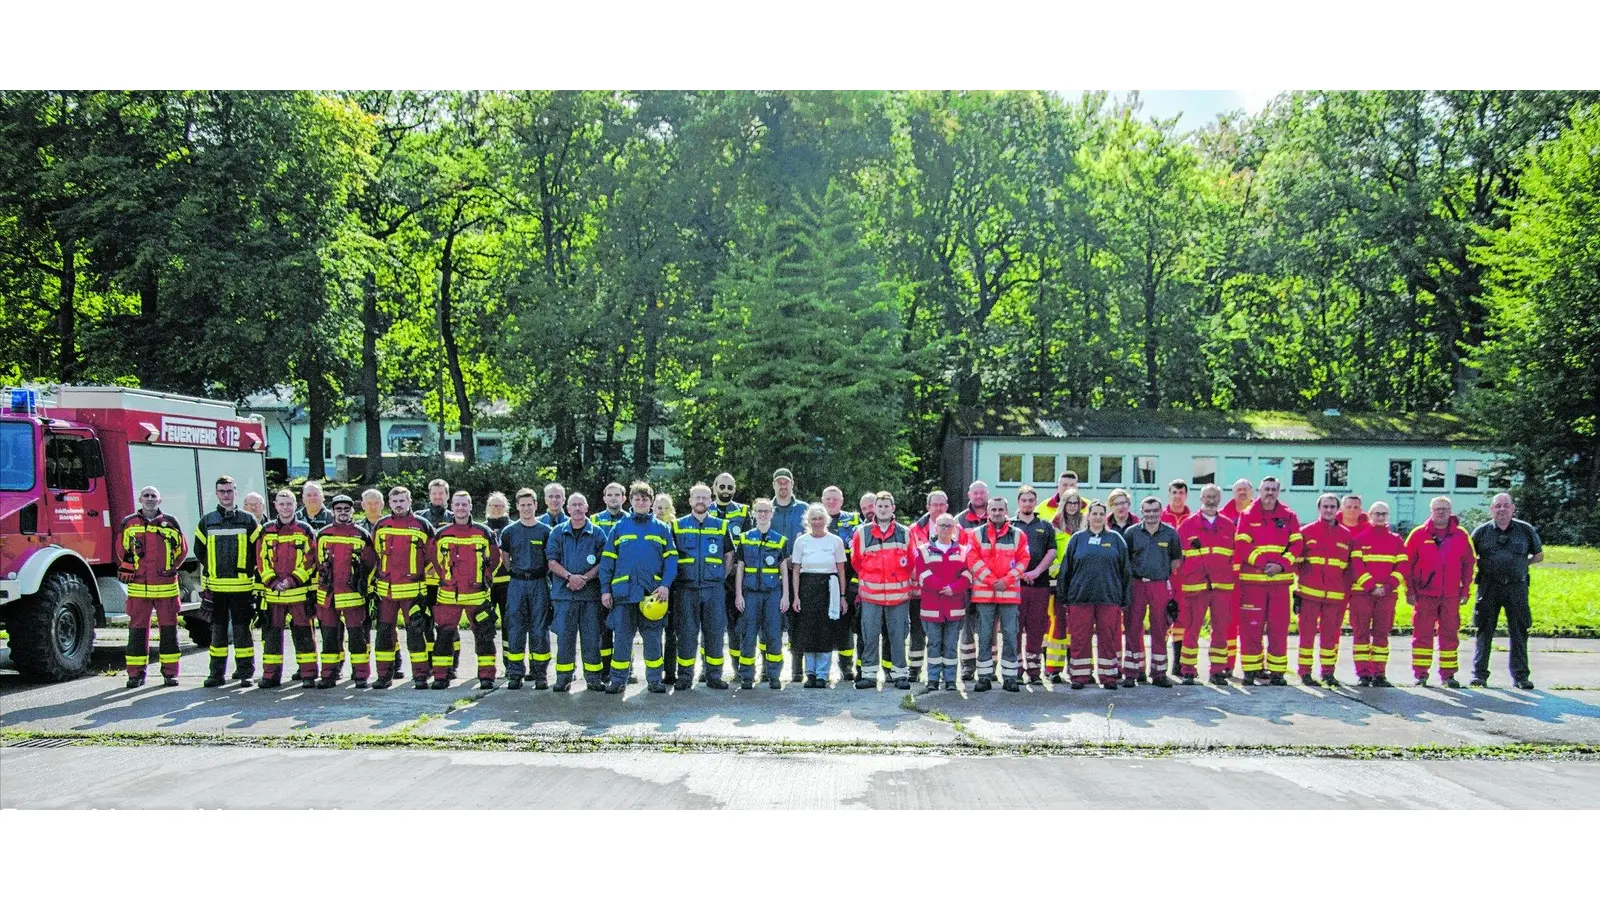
pixel 1218 425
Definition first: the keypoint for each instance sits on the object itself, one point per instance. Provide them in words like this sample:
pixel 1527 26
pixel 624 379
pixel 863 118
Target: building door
pixel 79 515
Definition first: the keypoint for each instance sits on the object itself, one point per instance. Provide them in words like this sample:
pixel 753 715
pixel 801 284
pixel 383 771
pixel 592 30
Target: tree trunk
pixel 316 417
pixel 146 364
pixel 67 313
pixel 644 406
pixel 369 382
pixel 452 355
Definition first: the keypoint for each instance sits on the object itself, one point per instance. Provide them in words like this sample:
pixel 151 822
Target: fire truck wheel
pixel 52 635
pixel 199 631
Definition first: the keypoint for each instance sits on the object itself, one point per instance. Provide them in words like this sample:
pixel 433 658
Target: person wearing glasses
pixel 1506 546
pixel 944 578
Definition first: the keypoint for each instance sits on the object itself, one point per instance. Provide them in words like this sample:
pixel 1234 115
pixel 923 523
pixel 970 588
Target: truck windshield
pixel 17 461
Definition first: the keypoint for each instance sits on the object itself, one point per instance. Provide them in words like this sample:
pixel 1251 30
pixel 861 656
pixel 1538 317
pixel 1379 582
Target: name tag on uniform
pixel 1094 542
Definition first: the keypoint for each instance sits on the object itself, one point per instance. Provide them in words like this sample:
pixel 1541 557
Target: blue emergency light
pixel 23 401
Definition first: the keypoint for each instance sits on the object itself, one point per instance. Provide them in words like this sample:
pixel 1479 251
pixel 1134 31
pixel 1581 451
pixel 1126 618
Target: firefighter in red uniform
pixel 345 563
pixel 1266 547
pixel 404 545
pixel 1233 511
pixel 1379 565
pixel 1442 561
pixel 152 549
pixel 286 561
pixel 466 556
pixel 1323 591
pixel 1351 516
pixel 1206 578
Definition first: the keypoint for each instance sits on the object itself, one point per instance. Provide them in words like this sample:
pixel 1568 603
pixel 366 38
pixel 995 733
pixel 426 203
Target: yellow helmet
pixel 653 608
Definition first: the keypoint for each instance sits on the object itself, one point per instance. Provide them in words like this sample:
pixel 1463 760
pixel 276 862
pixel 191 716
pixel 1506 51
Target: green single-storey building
pixel 1402 459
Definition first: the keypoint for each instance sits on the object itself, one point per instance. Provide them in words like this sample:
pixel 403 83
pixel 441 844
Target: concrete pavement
pixel 250 778
pixel 1201 716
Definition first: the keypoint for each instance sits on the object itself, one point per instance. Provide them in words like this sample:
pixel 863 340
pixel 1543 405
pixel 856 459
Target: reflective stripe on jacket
pixel 1324 571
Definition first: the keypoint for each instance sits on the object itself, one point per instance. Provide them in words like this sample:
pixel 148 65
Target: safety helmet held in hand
pixel 653 608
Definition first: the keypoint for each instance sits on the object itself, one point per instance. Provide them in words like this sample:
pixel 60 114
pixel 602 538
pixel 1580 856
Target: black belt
pixel 519 576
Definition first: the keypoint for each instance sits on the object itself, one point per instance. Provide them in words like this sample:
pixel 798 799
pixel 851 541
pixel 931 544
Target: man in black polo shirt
pixel 1153 557
pixel 1505 547
pixel 1035 612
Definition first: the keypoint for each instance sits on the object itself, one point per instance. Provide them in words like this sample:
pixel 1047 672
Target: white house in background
pixel 1404 460
pixel 407 431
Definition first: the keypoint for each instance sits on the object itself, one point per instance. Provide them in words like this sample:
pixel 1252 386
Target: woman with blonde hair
pixel 819 603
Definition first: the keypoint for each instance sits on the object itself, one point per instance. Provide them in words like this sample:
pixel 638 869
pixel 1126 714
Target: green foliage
pixel 1540 366
pixel 616 265
pixel 807 371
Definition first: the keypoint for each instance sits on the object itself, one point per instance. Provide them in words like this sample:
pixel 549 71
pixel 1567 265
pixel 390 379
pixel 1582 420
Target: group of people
pixel 1070 589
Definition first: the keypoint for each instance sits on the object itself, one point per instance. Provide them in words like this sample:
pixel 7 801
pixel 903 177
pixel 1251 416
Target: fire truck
pixel 72 460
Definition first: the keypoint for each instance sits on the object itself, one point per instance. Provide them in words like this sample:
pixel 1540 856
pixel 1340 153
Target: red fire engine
pixel 72 460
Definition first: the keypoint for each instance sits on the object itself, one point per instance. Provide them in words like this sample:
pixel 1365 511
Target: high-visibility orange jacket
pixel 1207 554
pixel 1000 556
pixel 1267 536
pixel 1324 570
pixel 882 560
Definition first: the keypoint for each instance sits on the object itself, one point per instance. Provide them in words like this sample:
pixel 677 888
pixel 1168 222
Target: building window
pixel 1010 468
pixel 1338 473
pixel 1303 472
pixel 488 449
pixel 658 449
pixel 327 448
pixel 1044 469
pixel 1110 470
pixel 1433 474
pixel 1467 474
pixel 1079 465
pixel 1144 470
pixel 1399 474
pixel 1205 470
pixel 1499 476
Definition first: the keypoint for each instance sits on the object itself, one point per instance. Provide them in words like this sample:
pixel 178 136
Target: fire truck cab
pixel 72 460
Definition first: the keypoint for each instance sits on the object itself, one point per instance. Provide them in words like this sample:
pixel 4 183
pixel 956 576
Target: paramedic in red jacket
pixel 944 580
pixel 1002 549
pixel 1442 560
pixel 1266 548
pixel 1206 579
pixel 1379 565
pixel 1233 510
pixel 1323 591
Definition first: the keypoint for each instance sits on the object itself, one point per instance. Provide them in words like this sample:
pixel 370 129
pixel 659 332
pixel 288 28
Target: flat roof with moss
pixel 1220 425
